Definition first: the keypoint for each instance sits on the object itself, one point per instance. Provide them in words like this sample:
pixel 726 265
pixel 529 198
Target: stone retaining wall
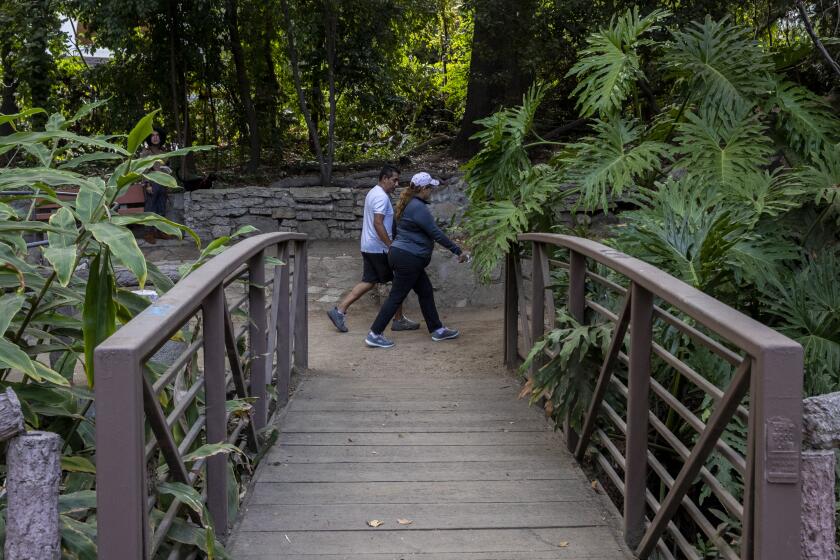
pixel 321 212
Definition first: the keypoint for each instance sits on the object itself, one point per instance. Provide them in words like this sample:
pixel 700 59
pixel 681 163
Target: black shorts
pixel 376 269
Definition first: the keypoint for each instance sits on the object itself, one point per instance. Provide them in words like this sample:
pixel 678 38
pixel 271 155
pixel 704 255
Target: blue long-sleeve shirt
pixel 417 231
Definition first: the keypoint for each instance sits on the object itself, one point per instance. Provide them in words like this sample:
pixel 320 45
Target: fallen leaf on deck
pixel 375 523
pixel 405 521
pixel 563 544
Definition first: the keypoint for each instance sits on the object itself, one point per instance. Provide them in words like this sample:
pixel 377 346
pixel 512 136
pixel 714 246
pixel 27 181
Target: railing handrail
pixel 743 331
pixel 143 337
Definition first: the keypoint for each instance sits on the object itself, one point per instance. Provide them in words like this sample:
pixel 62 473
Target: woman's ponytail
pixel 405 197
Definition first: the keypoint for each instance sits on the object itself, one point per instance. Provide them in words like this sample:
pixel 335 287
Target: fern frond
pixel 610 66
pixel 722 144
pixel 719 62
pixel 608 163
pixel 493 173
pixel 805 119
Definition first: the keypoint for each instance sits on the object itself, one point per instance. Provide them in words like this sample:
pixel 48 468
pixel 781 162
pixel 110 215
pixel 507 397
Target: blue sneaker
pixel 378 341
pixel 444 334
pixel 337 318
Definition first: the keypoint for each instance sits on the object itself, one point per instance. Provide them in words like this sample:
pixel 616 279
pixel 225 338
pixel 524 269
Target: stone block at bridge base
pixel 34 472
pixel 817 534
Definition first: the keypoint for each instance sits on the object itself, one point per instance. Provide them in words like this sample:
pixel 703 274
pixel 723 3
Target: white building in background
pixel 92 56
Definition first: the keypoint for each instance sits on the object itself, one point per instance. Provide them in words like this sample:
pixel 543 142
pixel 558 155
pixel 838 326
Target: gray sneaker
pixel 337 318
pixel 444 334
pixel 404 324
pixel 378 341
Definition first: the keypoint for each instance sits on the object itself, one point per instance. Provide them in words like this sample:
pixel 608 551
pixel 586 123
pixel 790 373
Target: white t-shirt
pixel 377 201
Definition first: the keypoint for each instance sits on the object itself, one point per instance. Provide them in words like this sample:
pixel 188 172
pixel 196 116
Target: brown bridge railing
pixel 148 421
pixel 623 430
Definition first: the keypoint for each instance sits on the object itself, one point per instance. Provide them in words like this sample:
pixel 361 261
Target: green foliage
pixel 718 63
pixel 610 161
pixel 611 64
pixel 62 305
pixel 807 303
pixel 565 379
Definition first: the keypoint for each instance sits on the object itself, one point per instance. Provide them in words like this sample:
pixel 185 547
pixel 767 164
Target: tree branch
pixel 817 43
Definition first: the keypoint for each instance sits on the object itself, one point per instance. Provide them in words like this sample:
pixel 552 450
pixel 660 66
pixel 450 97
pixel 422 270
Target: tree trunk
pixel 332 24
pixel 307 116
pixel 8 106
pixel 244 85
pixel 499 69
pixel 173 68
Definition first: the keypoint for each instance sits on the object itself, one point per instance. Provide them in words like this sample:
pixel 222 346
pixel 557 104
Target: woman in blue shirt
pixel 409 255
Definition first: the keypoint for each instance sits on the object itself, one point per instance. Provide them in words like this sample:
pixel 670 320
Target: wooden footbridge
pixel 424 451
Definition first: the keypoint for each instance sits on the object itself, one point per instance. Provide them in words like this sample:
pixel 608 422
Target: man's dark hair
pixel 387 171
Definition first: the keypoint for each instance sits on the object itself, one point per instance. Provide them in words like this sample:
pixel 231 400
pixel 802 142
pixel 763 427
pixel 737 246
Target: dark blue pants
pixel 409 274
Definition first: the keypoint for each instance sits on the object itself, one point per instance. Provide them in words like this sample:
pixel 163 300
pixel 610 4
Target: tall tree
pixel 502 66
pixel 244 85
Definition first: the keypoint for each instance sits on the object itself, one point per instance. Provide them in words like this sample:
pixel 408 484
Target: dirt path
pixel 476 353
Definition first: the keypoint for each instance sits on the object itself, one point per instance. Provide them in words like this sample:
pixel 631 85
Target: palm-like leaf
pixel 610 161
pixel 610 66
pixel 724 144
pixel 493 173
pixel 719 62
pixel 805 119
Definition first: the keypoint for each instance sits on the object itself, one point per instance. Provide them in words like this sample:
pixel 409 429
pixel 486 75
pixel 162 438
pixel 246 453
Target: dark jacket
pixel 417 231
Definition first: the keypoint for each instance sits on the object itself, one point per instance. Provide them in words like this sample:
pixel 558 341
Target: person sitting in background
pixel 409 255
pixel 154 195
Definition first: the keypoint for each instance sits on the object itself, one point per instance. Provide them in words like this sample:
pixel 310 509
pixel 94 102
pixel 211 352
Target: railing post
pixel 777 443
pixel 122 517
pixel 257 337
pixel 511 336
pixel 576 304
pixel 635 472
pixel 538 263
pixel 213 312
pixel 301 327
pixel 283 332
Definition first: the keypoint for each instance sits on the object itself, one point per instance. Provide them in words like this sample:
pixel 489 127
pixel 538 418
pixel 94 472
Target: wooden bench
pixel 129 203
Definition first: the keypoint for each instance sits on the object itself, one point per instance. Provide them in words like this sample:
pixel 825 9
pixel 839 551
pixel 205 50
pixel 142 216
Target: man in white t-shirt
pixel 377 233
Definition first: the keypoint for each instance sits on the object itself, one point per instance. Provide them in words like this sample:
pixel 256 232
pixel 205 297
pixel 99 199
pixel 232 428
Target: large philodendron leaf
pixel 99 314
pixel 123 245
pixel 610 66
pixel 723 146
pixel 61 252
pixel 608 163
pixel 720 63
pixel 805 119
pixel 494 172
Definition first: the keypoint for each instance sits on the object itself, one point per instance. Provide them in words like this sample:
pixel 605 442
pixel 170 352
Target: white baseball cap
pixel 423 179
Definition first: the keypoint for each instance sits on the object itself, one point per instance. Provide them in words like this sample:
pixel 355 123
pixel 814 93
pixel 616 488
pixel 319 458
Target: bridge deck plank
pixel 478 474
